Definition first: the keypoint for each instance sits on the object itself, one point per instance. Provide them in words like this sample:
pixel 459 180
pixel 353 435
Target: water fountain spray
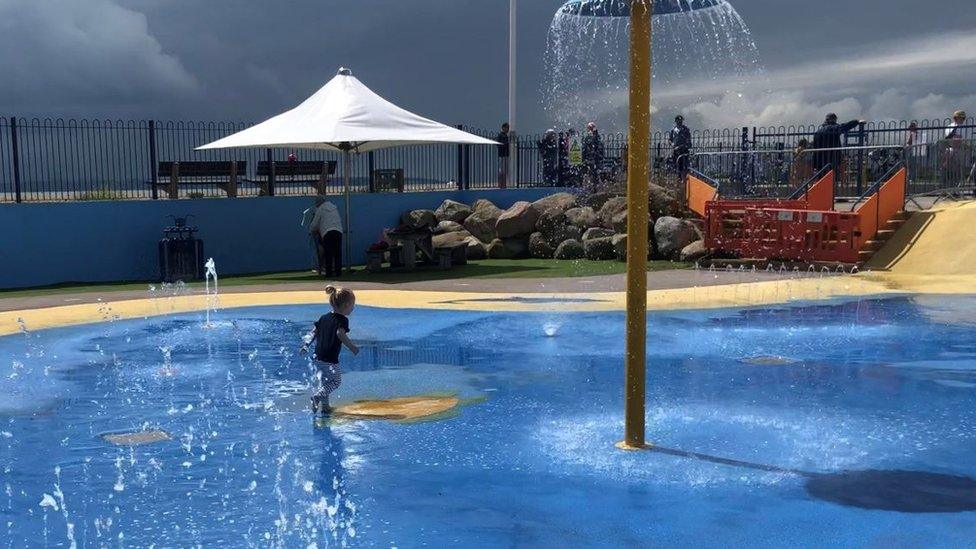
pixel 587 57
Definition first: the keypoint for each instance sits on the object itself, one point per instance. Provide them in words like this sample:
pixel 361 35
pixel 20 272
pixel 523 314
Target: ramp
pixel 938 242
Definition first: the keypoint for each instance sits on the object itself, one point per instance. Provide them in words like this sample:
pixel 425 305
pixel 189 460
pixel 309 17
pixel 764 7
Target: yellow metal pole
pixel 638 160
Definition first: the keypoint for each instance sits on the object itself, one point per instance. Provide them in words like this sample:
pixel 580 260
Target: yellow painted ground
pixel 732 295
pixel 934 253
pixel 938 242
pixel 397 409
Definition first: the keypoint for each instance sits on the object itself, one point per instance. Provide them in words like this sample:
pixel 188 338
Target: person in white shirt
pixel 956 150
pixel 326 228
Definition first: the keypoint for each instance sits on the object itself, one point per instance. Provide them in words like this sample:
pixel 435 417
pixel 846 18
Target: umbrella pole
pixel 346 166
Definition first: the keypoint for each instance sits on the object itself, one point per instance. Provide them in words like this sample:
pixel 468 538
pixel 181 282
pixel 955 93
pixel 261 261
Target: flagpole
pixel 512 59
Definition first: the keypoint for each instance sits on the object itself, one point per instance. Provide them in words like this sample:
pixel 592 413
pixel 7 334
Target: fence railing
pixel 68 159
pixel 932 167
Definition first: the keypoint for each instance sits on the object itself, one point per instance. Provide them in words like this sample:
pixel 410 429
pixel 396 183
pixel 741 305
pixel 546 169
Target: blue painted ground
pixel 877 385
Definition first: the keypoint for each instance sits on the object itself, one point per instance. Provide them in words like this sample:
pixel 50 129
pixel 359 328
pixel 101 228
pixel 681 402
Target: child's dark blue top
pixel 327 344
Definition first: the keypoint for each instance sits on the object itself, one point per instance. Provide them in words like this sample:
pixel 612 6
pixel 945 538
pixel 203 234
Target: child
pixel 330 333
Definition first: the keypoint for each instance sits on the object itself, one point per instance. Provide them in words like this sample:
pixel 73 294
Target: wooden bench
pixel 223 174
pixel 311 172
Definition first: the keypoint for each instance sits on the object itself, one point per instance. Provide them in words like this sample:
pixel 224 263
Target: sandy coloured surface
pixel 397 409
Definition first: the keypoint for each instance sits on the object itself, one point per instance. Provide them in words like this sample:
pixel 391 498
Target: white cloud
pixel 61 53
pixel 940 60
pixel 799 108
pixel 885 82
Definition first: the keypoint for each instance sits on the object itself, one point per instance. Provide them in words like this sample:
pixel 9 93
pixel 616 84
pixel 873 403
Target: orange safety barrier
pixel 698 193
pixel 801 235
pixel 725 219
pixel 805 228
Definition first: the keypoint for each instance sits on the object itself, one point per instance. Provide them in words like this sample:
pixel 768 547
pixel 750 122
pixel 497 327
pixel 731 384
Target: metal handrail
pixel 877 184
pixel 786 151
pixel 802 189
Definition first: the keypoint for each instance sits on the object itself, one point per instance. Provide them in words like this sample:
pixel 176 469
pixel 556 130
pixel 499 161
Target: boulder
pixel 539 247
pixel 597 200
pixel 452 210
pixel 558 234
pixel 569 249
pixel 519 220
pixel 619 222
pixel 482 203
pixel 673 234
pixel 476 249
pixel 450 239
pixel 694 251
pixel 596 232
pixel 448 227
pixel 611 208
pixel 599 248
pixel 550 221
pixel 619 246
pixel 661 201
pixel 555 203
pixel 584 217
pixel 508 248
pixel 419 219
pixel 481 222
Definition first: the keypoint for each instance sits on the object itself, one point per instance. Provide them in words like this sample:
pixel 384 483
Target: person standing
pixel 504 140
pixel 801 169
pixel 828 136
pixel 549 153
pixel 592 155
pixel 326 228
pixel 574 158
pixel 956 151
pixel 680 139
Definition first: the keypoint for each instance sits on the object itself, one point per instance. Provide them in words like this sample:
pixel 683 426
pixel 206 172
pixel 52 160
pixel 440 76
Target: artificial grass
pixel 484 269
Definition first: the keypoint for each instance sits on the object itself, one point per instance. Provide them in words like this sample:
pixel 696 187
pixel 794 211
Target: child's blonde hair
pixel 340 297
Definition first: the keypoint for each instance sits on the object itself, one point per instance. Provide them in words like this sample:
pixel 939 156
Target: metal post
pixel 16 153
pixel 460 161
pixel 860 157
pixel 347 179
pixel 752 162
pixel 153 167
pixel 370 166
pixel 272 176
pixel 467 166
pixel 638 154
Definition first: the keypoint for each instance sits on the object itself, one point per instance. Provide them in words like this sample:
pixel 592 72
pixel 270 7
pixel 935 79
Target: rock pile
pixel 561 226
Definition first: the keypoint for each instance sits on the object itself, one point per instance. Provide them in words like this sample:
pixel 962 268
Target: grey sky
pixel 446 59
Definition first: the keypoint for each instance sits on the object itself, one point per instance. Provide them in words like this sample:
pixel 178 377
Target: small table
pixel 410 241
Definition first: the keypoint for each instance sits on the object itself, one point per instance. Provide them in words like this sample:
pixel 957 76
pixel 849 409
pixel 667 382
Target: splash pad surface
pixel 884 387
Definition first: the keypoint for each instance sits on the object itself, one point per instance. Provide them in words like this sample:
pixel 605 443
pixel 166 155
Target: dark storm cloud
pixel 235 59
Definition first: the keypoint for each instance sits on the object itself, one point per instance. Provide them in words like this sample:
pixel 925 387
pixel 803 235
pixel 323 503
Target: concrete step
pixel 873 245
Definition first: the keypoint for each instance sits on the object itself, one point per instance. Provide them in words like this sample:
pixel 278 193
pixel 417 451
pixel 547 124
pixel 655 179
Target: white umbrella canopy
pixel 345 115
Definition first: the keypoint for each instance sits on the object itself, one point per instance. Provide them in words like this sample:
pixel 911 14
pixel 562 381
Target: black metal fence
pixel 59 159
pixel 776 160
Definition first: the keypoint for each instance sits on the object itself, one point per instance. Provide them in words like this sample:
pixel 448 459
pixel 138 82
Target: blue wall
pixel 49 243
